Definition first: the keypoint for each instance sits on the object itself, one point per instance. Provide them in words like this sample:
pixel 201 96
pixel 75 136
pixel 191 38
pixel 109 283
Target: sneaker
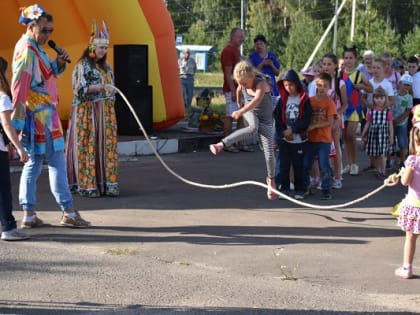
pixel 14 235
pixel 326 196
pixel 299 196
pixel 346 169
pixel 77 221
pixel 354 169
pixel 31 224
pixel 216 148
pixel 231 149
pixel 337 184
pixel 404 272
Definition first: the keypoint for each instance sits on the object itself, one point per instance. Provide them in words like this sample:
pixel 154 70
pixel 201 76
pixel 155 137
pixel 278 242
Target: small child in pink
pixel 409 213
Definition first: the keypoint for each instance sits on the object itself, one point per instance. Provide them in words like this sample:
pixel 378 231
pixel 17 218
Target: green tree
pixel 411 42
pixel 302 41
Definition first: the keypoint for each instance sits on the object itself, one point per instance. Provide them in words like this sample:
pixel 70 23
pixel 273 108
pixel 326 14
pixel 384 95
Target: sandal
pixel 271 195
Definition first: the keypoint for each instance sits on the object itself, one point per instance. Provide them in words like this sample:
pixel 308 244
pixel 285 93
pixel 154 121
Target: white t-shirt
pixel 5 105
pixel 416 85
pixel 385 84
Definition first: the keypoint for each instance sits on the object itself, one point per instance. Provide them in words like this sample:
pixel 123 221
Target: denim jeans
pixel 187 90
pixel 57 177
pixel 7 220
pixel 321 149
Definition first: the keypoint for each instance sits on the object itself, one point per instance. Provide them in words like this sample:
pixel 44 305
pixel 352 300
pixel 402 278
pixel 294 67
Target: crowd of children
pixel 318 117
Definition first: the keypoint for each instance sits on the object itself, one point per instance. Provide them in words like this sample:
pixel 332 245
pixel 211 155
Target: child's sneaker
pixel 337 184
pixel 346 169
pixel 404 272
pixel 14 235
pixel 354 169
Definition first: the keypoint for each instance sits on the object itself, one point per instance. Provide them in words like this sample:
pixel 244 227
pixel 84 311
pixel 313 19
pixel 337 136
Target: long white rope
pixel 242 183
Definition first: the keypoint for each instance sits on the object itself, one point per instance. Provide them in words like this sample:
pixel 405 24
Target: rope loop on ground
pixel 387 182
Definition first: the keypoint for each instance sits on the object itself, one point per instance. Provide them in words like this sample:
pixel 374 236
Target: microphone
pixel 57 49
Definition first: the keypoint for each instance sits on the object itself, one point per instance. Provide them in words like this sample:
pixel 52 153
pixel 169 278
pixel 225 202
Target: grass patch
pixel 208 79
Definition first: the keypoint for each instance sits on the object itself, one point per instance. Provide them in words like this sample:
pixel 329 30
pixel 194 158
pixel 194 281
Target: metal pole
pixel 335 29
pixel 323 36
pixel 353 16
pixel 242 24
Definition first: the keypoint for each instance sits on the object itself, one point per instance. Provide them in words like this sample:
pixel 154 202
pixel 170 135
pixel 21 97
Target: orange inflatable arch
pixel 145 22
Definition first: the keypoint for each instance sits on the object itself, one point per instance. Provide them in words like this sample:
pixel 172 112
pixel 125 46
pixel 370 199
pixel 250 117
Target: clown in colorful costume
pixel 34 99
pixel 92 159
pixel 34 108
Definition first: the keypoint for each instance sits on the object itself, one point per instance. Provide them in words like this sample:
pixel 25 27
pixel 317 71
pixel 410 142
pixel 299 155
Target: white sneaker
pixel 354 169
pixel 14 235
pixel 337 184
pixel 346 169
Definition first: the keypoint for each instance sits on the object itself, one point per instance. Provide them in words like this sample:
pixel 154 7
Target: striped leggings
pixel 257 120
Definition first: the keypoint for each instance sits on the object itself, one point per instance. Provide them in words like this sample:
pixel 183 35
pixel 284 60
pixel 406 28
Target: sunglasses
pixel 46 31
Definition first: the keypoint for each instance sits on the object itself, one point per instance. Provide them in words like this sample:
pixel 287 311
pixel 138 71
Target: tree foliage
pixel 294 27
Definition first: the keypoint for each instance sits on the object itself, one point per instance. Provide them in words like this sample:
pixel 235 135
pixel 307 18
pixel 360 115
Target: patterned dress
pixel 378 135
pixel 92 161
pixel 409 219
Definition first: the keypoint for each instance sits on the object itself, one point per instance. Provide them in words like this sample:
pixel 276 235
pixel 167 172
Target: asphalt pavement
pixel 167 247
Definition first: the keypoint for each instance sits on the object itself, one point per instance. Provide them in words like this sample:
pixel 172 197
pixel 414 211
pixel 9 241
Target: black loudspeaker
pixel 131 66
pixel 140 98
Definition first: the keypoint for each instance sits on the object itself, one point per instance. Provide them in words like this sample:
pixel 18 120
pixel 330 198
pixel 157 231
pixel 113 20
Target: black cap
pixel 259 37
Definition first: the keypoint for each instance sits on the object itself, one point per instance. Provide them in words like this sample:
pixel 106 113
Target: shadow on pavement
pixel 58 308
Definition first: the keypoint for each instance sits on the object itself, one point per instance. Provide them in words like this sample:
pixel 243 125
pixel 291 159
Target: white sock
pixel 29 218
pixel 70 215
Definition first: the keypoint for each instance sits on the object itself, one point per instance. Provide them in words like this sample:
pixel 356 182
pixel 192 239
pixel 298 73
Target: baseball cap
pixel 406 79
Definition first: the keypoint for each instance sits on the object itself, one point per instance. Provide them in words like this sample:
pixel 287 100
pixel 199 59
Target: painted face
pixel 328 66
pixel 100 51
pixel 41 31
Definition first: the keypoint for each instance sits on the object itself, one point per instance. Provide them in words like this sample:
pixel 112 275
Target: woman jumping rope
pixel 258 116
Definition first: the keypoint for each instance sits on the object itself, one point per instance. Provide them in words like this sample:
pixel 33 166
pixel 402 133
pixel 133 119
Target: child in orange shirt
pixel 319 134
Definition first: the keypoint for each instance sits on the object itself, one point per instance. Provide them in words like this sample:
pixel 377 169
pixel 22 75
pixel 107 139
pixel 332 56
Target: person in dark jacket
pixel 292 116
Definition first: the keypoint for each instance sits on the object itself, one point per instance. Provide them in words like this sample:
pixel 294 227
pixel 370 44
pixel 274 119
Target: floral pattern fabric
pixel 92 159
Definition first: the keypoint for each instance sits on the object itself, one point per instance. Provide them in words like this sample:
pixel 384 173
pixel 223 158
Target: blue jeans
pixel 187 90
pixel 321 149
pixel 57 176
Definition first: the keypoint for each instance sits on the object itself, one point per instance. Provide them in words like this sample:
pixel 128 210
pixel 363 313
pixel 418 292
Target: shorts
pixel 230 106
pixel 402 136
